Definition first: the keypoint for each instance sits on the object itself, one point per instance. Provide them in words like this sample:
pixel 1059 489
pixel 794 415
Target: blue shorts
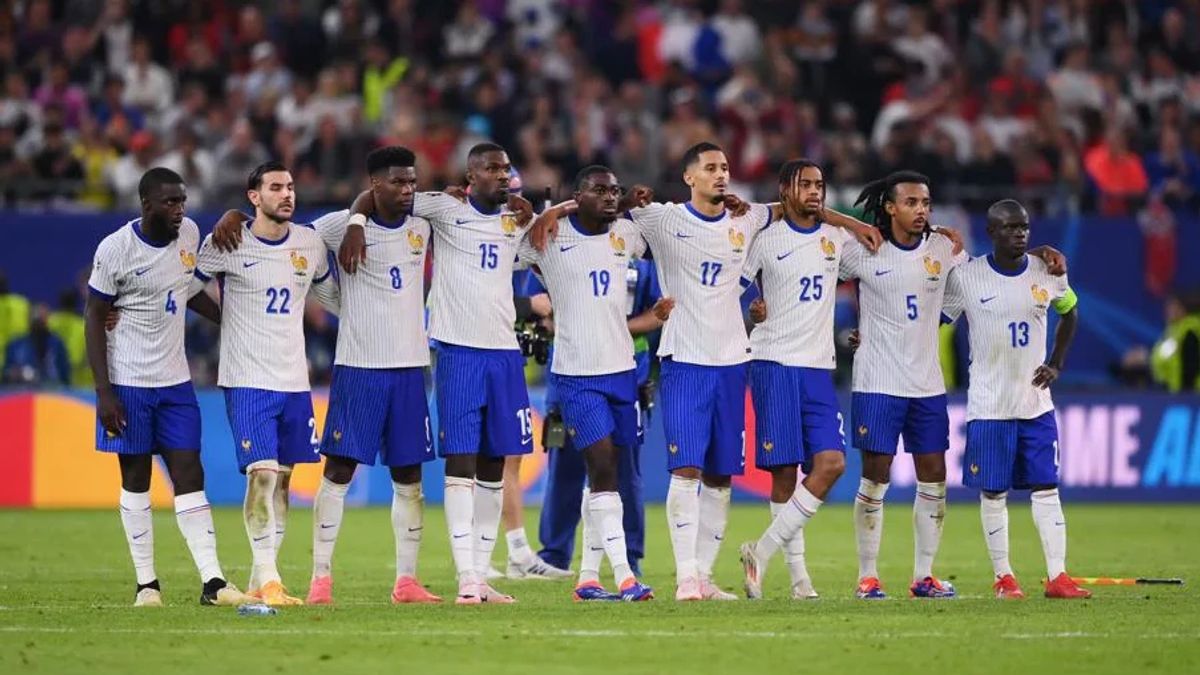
pixel 378 412
pixel 880 419
pixel 275 425
pixel 482 403
pixel 157 419
pixel 704 417
pixel 598 406
pixel 1017 454
pixel 796 414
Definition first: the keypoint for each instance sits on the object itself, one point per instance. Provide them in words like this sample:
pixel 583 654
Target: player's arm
pixel 354 245
pixel 108 406
pixel 203 304
pixel 1067 308
pixel 227 233
pixel 545 227
pixel 646 322
pixel 870 237
pixel 325 288
pixel 1056 262
pixel 952 300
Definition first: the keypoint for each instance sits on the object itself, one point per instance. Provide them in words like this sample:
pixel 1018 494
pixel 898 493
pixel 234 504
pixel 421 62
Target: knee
pixel 406 475
pixel 261 482
pixel 829 466
pixel 460 466
pixel 716 481
pixel 688 472
pixel 339 470
pixel 187 474
pixel 931 468
pixel 603 478
pixel 993 496
pixel 491 470
pixel 135 472
pixel 284 479
pixel 876 468
pixel 783 483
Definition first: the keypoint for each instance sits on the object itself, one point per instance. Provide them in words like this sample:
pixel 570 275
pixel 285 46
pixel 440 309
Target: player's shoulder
pixel 331 219
pixel 189 228
pixel 416 222
pixel 117 240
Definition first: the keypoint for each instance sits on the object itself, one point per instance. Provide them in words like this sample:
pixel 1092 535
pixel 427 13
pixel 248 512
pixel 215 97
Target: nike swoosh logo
pixel 371 244
pixel 251 264
pixel 211 532
pixel 460 536
pixel 781 257
pixel 141 534
pixel 415 529
pixel 880 273
pixel 487 538
pixel 681 235
pixel 564 249
pixel 870 510
pixel 991 532
pixel 460 221
pixel 140 272
pixel 681 525
pixel 984 301
pixel 1059 524
pixel 326 527
pixel 613 538
pixel 261 538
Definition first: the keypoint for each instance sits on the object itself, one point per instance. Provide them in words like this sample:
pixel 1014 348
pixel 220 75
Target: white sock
pixel 408 523
pixel 793 550
pixel 489 500
pixel 929 512
pixel 791 519
pixel 683 512
pixel 994 514
pixel 460 514
pixel 518 546
pixel 258 513
pixel 328 507
pixel 609 514
pixel 139 533
pixel 593 544
pixel 714 516
pixel 282 489
pixel 1052 528
pixel 868 525
pixel 194 516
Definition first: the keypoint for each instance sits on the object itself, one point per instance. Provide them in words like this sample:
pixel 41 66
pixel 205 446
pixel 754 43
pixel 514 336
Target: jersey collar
pixel 802 230
pixel 137 231
pixel 1015 273
pixel 479 207
pixel 271 242
pixel 708 219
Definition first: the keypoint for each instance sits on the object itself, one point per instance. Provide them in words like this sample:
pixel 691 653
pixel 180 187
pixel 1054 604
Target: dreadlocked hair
pixel 877 194
pixel 789 177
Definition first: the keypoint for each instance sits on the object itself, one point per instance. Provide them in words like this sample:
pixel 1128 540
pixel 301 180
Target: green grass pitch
pixel 67 582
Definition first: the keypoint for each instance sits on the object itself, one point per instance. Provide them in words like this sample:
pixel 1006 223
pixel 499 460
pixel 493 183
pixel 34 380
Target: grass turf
pixel 68 582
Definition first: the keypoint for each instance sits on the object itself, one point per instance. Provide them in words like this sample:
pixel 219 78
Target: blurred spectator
pixel 1074 85
pixel 96 155
pixel 380 75
pixel 1175 359
pixel 112 104
pixel 38 357
pixel 237 157
pixel 740 38
pixel 194 164
pixel 814 44
pixel 468 35
pixel 1117 173
pixel 58 91
pixel 326 172
pixel 66 322
pixel 126 172
pixel 1174 171
pixel 200 68
pixel 299 37
pixel 57 170
pixel 918 44
pixel 14 313
pixel 267 77
pixel 147 85
pixel 534 22
pixel 116 33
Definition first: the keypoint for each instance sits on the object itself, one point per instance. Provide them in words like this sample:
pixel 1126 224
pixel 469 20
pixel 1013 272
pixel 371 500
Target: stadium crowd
pixel 1090 105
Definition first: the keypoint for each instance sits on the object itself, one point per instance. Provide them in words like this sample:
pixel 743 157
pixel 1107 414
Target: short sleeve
pixel 850 264
pixel 332 228
pixel 103 281
pixel 753 262
pixel 760 216
pixel 952 302
pixel 210 261
pixel 433 206
pixel 648 220
pixel 526 254
pixel 1065 299
pixel 322 270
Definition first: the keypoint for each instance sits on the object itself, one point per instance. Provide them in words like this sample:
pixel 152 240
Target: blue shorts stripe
pixel 704 413
pixel 483 406
pixel 272 425
pixel 157 419
pixel 881 420
pixel 1011 454
pixel 599 406
pixel 378 412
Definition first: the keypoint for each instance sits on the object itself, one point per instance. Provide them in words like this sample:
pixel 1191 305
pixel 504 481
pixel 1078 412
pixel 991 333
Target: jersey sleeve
pixel 850 264
pixel 527 255
pixel 1064 298
pixel 432 206
pixel 103 281
pixel 760 216
pixel 753 263
pixel 953 301
pixel 332 228
pixel 325 286
pixel 648 220
pixel 210 261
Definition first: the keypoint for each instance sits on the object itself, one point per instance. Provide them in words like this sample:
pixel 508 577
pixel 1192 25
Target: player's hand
pixel 662 308
pixel 1044 376
pixel 637 197
pixel 353 250
pixel 758 310
pixel 545 226
pixel 111 319
pixel 953 235
pixel 521 208
pixel 1056 262
pixel 854 339
pixel 457 191
pixel 736 206
pixel 110 411
pixel 870 237
pixel 227 234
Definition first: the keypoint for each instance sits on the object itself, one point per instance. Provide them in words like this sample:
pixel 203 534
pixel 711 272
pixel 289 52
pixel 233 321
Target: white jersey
pixel 263 288
pixel 1006 316
pixel 150 285
pixel 471 303
pixel 383 303
pixel 799 284
pixel 699 261
pixel 900 294
pixel 585 276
